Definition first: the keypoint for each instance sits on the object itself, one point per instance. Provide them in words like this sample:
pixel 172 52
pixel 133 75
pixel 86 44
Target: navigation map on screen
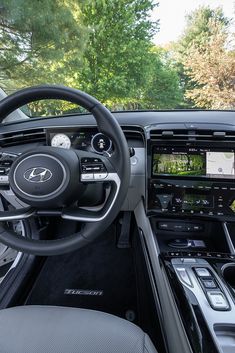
pixel 220 164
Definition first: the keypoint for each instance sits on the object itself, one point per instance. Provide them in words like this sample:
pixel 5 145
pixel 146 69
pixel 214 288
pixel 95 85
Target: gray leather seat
pixel 42 329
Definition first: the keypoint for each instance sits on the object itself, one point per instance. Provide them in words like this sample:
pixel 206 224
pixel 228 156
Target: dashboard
pixel 182 163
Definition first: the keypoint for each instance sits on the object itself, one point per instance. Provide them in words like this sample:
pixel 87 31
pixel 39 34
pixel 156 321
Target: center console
pixel 199 259
pixel 191 207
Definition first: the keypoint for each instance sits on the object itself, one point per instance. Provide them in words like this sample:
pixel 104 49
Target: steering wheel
pixel 50 179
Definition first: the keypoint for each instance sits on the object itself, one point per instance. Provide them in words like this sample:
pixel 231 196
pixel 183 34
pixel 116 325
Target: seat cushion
pixel 46 329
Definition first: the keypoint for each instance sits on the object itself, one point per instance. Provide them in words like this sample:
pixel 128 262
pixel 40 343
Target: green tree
pixel 212 68
pixel 103 47
pixel 198 28
pixel 117 55
pixel 40 41
pixel 162 89
pixel 198 32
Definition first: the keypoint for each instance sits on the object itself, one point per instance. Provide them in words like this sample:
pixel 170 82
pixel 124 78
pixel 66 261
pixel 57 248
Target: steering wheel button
pixel 86 160
pixel 88 176
pixel 100 176
pixel 95 160
pixel 6 163
pixel 4 179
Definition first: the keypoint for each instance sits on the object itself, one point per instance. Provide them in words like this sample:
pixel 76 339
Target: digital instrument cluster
pixel 84 139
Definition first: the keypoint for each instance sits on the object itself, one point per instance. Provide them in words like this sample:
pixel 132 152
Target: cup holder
pixel 228 272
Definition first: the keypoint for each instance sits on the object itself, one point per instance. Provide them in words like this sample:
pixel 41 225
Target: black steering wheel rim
pixel 108 125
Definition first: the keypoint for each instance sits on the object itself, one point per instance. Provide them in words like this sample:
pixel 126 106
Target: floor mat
pixel 99 277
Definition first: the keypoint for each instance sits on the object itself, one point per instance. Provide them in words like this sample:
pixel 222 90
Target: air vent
pixel 133 135
pixel 22 137
pixel 135 138
pixel 189 135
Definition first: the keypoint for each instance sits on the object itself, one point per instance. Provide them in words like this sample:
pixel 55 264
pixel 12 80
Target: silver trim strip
pixel 24 215
pixel 154 287
pixel 228 238
pixel 18 256
pixel 92 143
pixel 112 177
pixel 176 337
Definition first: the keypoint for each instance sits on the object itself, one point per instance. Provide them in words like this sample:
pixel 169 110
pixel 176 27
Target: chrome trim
pixel 230 264
pixel 11 154
pixel 18 256
pixel 153 286
pixel 175 334
pixel 39 196
pixel 112 177
pixel 31 176
pixel 17 217
pixel 228 238
pixel 92 143
pixel 212 317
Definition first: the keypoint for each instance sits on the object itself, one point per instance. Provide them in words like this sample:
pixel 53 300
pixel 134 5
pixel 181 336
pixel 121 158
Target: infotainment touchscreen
pixel 193 163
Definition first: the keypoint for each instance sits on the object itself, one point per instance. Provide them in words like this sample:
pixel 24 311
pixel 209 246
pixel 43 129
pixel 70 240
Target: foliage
pixel 105 48
pixel 163 86
pixel 212 67
pixel 198 32
pixel 40 41
pixel 198 28
pixel 116 57
pixel 102 47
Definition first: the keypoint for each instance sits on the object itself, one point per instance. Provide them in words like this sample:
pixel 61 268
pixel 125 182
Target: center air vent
pixel 22 137
pixel 134 137
pixel 189 135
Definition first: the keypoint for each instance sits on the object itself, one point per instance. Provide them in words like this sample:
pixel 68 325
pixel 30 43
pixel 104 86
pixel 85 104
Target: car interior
pixel 117 176
pixel 117 229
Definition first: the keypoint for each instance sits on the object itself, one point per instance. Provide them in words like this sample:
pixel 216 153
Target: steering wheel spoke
pixel 88 215
pixel 18 214
pixel 17 209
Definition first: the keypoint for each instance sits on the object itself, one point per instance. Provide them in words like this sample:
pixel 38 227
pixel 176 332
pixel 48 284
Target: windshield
pixel 129 54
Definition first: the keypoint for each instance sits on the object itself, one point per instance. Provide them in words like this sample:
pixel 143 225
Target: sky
pixel 171 14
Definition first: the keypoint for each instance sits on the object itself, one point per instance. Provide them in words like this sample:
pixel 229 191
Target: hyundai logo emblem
pixel 38 175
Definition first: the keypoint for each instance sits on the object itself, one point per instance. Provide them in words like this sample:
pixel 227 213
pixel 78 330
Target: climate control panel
pixel 189 197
